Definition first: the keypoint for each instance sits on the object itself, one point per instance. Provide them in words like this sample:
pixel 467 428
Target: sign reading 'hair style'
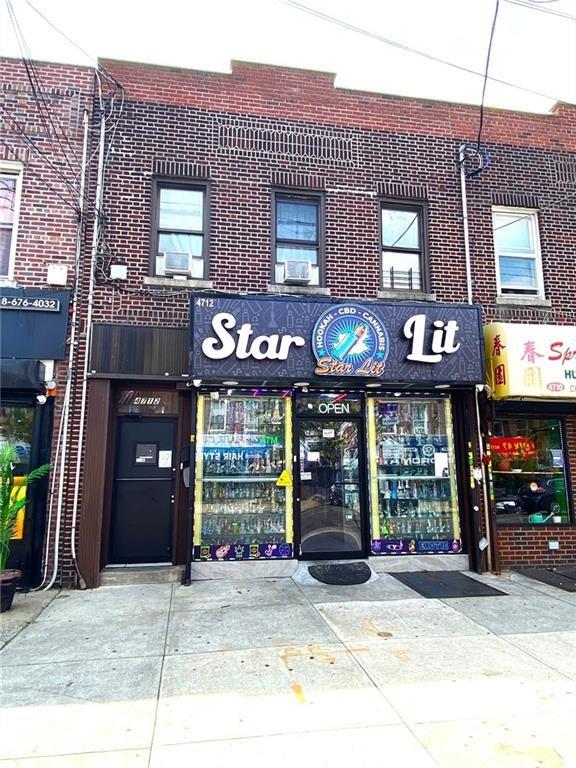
pixel 267 339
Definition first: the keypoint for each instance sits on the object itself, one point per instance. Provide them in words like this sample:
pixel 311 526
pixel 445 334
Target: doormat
pixel 340 573
pixel 562 578
pixel 440 584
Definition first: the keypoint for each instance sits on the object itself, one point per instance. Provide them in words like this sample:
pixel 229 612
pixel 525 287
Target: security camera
pixel 197 382
pixel 41 399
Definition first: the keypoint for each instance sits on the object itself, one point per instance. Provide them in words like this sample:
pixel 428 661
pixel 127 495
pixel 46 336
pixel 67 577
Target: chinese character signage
pixel 267 339
pixel 531 360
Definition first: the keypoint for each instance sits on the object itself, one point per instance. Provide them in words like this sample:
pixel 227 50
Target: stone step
pixel 114 576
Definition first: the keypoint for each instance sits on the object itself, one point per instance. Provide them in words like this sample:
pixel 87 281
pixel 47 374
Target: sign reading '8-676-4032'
pixel 279 338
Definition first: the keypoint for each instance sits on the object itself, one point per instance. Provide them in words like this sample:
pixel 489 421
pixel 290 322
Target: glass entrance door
pixel 330 493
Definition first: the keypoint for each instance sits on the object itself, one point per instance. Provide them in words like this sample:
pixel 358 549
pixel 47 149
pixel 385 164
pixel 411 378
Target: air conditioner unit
pixel 297 272
pixel 174 263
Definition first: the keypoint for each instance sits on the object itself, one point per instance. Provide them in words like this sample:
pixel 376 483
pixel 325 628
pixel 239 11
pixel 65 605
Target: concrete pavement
pixel 285 673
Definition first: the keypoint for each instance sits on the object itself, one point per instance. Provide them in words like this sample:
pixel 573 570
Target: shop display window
pixel 16 425
pixel 529 471
pixel 243 491
pixel 413 491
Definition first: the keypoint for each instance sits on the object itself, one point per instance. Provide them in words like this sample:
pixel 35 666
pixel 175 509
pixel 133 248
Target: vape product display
pixel 414 491
pixel 240 458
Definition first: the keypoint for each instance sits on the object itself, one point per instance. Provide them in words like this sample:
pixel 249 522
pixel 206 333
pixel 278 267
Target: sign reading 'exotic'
pixel 265 338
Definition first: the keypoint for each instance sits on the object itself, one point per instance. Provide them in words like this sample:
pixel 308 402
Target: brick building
pixel 283 287
pixel 43 137
pixel 285 325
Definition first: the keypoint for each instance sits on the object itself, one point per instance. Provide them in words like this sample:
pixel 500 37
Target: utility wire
pixel 93 59
pixel 401 235
pixel 44 182
pixel 40 152
pixel 542 208
pixel 44 109
pixel 415 51
pixel 538 7
pixel 479 141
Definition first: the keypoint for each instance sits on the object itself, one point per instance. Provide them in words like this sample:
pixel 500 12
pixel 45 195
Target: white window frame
pixel 11 169
pixel 532 215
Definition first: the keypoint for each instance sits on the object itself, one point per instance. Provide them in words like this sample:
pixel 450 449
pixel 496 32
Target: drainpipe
pixel 62 441
pixel 461 158
pixel 84 397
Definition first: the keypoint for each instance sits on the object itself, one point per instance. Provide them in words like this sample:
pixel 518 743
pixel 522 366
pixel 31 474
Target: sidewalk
pixel 276 672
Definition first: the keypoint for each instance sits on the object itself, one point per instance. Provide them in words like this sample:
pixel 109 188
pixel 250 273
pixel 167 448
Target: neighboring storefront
pixel 331 429
pixel 33 337
pixel 531 371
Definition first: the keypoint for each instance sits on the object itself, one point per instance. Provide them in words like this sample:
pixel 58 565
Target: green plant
pixel 10 504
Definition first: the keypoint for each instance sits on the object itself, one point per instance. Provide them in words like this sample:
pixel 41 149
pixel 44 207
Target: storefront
pixel 33 337
pixel 531 371
pixel 331 429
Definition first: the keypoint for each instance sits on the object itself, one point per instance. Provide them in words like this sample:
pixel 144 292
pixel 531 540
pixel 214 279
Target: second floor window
pixel 297 239
pixel 519 266
pixel 402 247
pixel 9 198
pixel 180 231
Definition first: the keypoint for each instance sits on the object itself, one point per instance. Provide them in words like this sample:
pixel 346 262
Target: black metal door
pixel 141 530
pixel 331 499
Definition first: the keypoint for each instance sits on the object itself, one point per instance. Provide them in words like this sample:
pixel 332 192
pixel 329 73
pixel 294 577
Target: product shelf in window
pixel 413 492
pixel 240 511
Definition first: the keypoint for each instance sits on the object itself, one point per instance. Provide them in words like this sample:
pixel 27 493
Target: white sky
pixel 531 48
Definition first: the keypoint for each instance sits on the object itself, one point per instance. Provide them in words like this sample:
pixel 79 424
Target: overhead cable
pixel 415 51
pixel 44 109
pixel 492 30
pixel 537 7
pixel 93 59
pixel 541 208
pixel 75 208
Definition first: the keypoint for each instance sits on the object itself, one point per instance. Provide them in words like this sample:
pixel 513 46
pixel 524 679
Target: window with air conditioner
pixel 517 248
pixel 10 187
pixel 297 239
pixel 180 232
pixel 402 234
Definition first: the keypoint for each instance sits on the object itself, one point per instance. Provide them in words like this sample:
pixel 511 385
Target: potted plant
pixel 11 502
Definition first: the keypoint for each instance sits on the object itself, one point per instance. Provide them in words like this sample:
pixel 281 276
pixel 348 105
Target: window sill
pixel 522 301
pixel 406 295
pixel 170 282
pixel 303 290
pixel 8 282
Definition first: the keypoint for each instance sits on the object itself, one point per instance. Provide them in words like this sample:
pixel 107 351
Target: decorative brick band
pixel 398 189
pixel 11 152
pixel 181 169
pixel 239 135
pixel 515 200
pixel 564 171
pixel 287 179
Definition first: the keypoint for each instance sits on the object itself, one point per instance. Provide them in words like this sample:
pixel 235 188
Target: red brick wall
pixel 280 92
pixel 47 225
pixel 378 143
pixel 381 143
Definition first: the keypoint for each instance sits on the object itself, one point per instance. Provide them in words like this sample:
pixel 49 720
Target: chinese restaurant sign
pixel 531 360
pixel 268 339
